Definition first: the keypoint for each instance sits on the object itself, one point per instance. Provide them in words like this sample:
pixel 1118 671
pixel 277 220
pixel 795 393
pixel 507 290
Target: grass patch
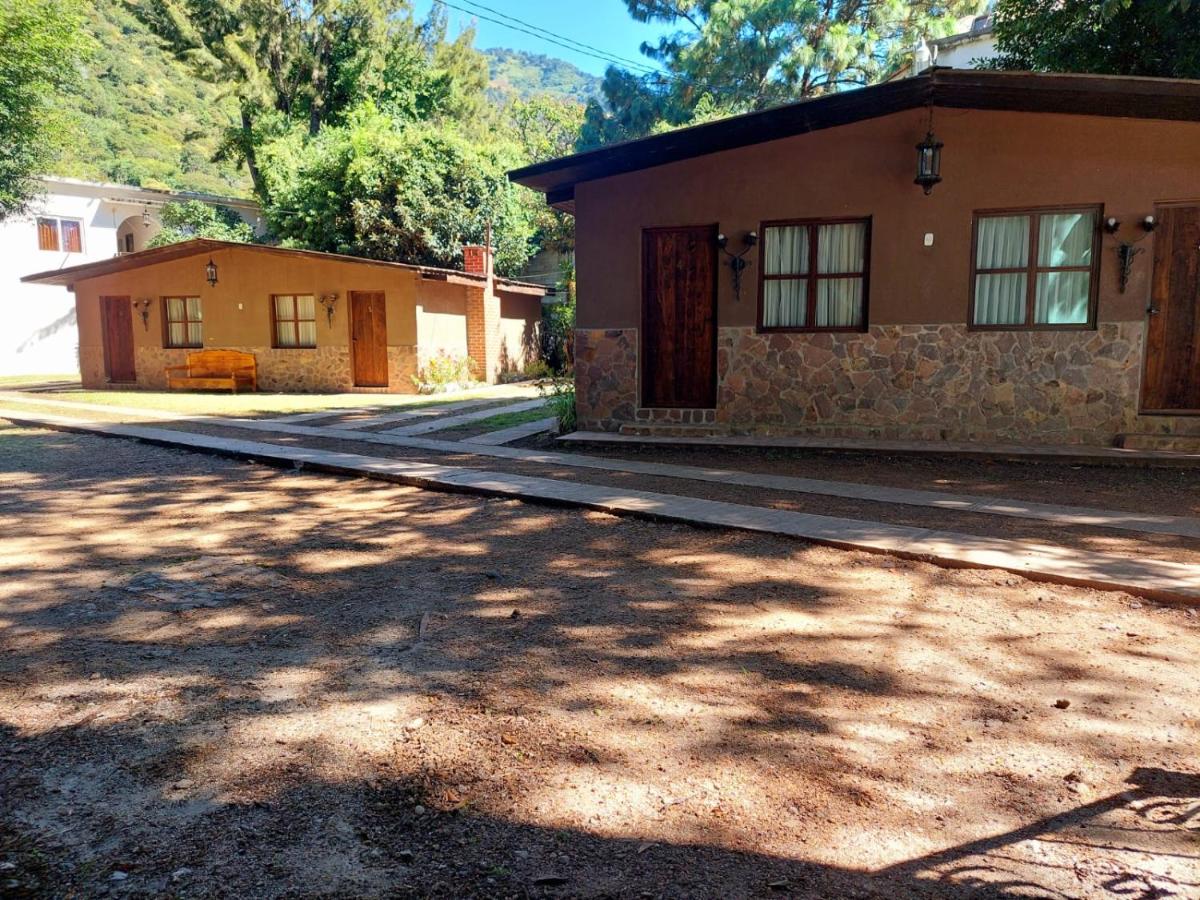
pixel 10 380
pixel 248 404
pixel 508 420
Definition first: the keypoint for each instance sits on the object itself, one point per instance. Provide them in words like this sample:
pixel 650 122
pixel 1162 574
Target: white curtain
pixel 786 250
pixel 195 327
pixel 307 315
pixel 1064 239
pixel 841 249
pixel 785 302
pixel 285 330
pixel 184 326
pixel 1001 242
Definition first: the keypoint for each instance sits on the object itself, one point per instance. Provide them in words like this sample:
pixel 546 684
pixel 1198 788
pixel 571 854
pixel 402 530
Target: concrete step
pixel 668 430
pixel 1179 443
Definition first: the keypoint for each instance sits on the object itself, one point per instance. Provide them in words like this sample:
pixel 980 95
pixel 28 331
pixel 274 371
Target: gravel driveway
pixel 219 679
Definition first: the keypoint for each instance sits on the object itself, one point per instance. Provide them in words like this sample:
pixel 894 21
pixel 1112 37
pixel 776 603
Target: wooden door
pixel 368 338
pixel 1172 376
pixel 679 317
pixel 116 334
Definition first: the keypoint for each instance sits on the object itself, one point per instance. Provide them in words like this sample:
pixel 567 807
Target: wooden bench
pixel 210 370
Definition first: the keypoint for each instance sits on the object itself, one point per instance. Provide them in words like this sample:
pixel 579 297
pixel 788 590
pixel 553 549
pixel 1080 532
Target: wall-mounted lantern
pixel 929 160
pixel 145 216
pixel 737 261
pixel 142 305
pixel 210 273
pixel 329 302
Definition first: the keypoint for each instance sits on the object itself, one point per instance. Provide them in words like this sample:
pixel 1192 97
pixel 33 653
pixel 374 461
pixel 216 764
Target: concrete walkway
pixel 972 503
pixel 1080 453
pixel 442 423
pixel 1159 579
pixel 516 433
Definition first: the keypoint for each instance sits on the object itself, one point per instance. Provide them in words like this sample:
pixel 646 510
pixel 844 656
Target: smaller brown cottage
pixel 313 321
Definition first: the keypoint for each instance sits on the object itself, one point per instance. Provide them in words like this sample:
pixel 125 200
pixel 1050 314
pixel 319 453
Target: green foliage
pixel 751 54
pixel 1154 38
pixel 518 75
pixel 545 128
pixel 382 190
pixel 444 372
pixel 41 43
pixel 193 219
pixel 560 396
pixel 557 334
pixel 145 118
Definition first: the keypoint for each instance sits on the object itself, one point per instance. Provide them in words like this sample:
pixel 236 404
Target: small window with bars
pixel 814 275
pixel 183 321
pixel 295 317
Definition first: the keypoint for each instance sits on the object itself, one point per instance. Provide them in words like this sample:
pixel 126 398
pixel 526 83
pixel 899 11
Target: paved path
pixel 973 503
pixel 953 448
pixel 516 433
pixel 1166 580
pixel 423 412
pixel 442 423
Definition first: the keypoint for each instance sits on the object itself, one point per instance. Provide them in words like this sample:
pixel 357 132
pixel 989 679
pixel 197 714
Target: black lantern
pixel 929 162
pixel 210 272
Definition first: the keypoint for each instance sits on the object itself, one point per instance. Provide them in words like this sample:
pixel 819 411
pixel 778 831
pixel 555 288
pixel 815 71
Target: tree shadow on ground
pixel 756 711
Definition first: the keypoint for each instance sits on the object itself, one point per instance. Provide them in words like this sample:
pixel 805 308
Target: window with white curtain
pixel 184 322
pixel 295 317
pixel 814 275
pixel 1035 268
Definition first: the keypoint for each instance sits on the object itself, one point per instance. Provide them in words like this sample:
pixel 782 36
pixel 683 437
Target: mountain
pixel 515 73
pixel 142 117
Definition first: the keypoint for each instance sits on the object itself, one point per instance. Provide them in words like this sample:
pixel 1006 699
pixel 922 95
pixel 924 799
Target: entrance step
pixel 1179 443
pixel 673 430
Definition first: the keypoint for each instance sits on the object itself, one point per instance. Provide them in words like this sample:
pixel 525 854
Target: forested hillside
pixel 515 73
pixel 144 118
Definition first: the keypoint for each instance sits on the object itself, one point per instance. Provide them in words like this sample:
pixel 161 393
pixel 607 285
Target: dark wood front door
pixel 368 338
pixel 679 317
pixel 116 332
pixel 1172 377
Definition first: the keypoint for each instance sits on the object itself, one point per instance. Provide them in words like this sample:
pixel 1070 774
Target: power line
pixel 550 37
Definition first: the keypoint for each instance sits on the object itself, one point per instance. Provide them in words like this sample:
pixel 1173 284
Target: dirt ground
pixel 219 679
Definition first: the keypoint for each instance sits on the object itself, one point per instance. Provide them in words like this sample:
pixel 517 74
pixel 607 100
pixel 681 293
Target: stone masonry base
pixel 909 382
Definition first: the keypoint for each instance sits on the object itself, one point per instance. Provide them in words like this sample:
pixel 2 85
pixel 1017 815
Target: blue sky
pixel 604 24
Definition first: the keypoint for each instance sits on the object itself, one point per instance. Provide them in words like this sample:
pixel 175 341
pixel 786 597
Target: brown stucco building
pixel 1024 298
pixel 313 321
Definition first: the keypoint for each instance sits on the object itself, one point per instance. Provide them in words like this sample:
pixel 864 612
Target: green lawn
pixel 8 380
pixel 267 404
pixel 508 420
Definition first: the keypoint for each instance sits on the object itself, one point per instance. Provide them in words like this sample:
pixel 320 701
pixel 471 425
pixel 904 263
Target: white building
pixel 973 41
pixel 74 222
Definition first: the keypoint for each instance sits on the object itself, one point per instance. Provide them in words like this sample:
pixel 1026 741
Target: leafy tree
pixel 1156 38
pixel 545 128
pixel 193 219
pixel 41 46
pixel 377 188
pixel 752 54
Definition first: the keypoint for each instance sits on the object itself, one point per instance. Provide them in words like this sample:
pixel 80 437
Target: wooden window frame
pixel 186 322
pixel 1031 269
pixel 275 320
pixel 813 278
pixel 62 233
pixel 52 229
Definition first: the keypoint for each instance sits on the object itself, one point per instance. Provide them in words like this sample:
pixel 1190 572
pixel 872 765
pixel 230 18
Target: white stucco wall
pixel 38 335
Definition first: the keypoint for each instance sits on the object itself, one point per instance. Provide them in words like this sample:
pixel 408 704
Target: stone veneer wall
pixel 922 382
pixel 318 369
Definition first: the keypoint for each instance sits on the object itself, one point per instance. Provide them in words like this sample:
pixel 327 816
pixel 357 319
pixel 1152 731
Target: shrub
pixel 538 368
pixel 444 372
pixel 561 396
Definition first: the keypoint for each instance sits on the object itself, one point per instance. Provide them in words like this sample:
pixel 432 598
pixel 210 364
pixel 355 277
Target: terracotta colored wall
pixel 520 319
pixel 991 159
pixel 237 314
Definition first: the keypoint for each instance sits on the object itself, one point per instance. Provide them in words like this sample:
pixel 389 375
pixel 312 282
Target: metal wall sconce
pixel 737 261
pixel 329 303
pixel 210 273
pixel 929 159
pixel 1127 250
pixel 142 305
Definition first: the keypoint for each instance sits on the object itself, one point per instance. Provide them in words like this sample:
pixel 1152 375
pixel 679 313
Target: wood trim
pixel 813 277
pixel 47 233
pixel 1031 269
pixel 275 345
pixel 166 322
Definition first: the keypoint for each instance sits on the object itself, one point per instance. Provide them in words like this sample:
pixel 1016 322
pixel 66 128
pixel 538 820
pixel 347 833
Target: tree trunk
pixel 251 155
pixel 317 82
